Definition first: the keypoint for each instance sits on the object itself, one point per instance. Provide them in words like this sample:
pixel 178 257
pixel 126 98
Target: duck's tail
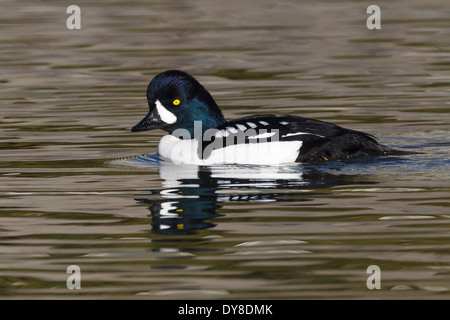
pixel 396 152
pixel 352 145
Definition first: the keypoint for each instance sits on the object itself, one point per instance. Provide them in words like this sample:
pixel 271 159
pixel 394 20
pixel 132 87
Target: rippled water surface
pixel 78 188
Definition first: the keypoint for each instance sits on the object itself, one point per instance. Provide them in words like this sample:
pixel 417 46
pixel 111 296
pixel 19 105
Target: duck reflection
pixel 187 204
pixel 191 195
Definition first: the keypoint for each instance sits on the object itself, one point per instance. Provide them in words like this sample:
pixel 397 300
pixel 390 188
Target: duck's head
pixel 176 100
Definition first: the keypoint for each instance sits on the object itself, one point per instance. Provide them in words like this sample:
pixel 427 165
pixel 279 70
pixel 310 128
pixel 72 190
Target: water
pixel 77 188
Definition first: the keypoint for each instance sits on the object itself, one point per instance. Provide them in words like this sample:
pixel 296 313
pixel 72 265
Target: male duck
pixel 199 133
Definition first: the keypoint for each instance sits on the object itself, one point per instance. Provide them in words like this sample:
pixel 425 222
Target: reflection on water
pixel 193 194
pixel 188 201
pixel 142 229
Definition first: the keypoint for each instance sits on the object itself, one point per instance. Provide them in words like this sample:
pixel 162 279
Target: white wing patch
pixel 263 135
pixel 232 129
pixel 300 133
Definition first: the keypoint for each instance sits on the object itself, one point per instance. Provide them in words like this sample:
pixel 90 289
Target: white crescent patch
pixel 166 115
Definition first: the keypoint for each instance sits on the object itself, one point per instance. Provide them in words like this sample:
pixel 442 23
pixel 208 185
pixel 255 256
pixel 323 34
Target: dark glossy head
pixel 176 100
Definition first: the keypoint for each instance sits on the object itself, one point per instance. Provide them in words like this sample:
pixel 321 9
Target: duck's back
pixel 320 140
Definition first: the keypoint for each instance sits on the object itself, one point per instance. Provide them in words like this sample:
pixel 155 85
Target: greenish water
pixel 78 188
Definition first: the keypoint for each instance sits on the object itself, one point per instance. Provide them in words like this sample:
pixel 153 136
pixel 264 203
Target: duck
pixel 199 134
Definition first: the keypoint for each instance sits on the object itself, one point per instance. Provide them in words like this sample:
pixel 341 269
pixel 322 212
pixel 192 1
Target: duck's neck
pixel 202 117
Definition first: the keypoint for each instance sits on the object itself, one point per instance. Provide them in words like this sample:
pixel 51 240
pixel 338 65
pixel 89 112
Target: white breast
pixel 185 152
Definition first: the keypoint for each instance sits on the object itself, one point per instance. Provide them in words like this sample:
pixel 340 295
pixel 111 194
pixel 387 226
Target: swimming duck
pixel 199 134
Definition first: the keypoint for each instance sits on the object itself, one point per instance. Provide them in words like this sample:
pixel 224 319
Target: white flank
pixel 251 125
pixel 185 152
pixel 166 115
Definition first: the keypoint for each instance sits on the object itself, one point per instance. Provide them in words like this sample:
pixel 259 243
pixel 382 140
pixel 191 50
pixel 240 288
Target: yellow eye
pixel 176 102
